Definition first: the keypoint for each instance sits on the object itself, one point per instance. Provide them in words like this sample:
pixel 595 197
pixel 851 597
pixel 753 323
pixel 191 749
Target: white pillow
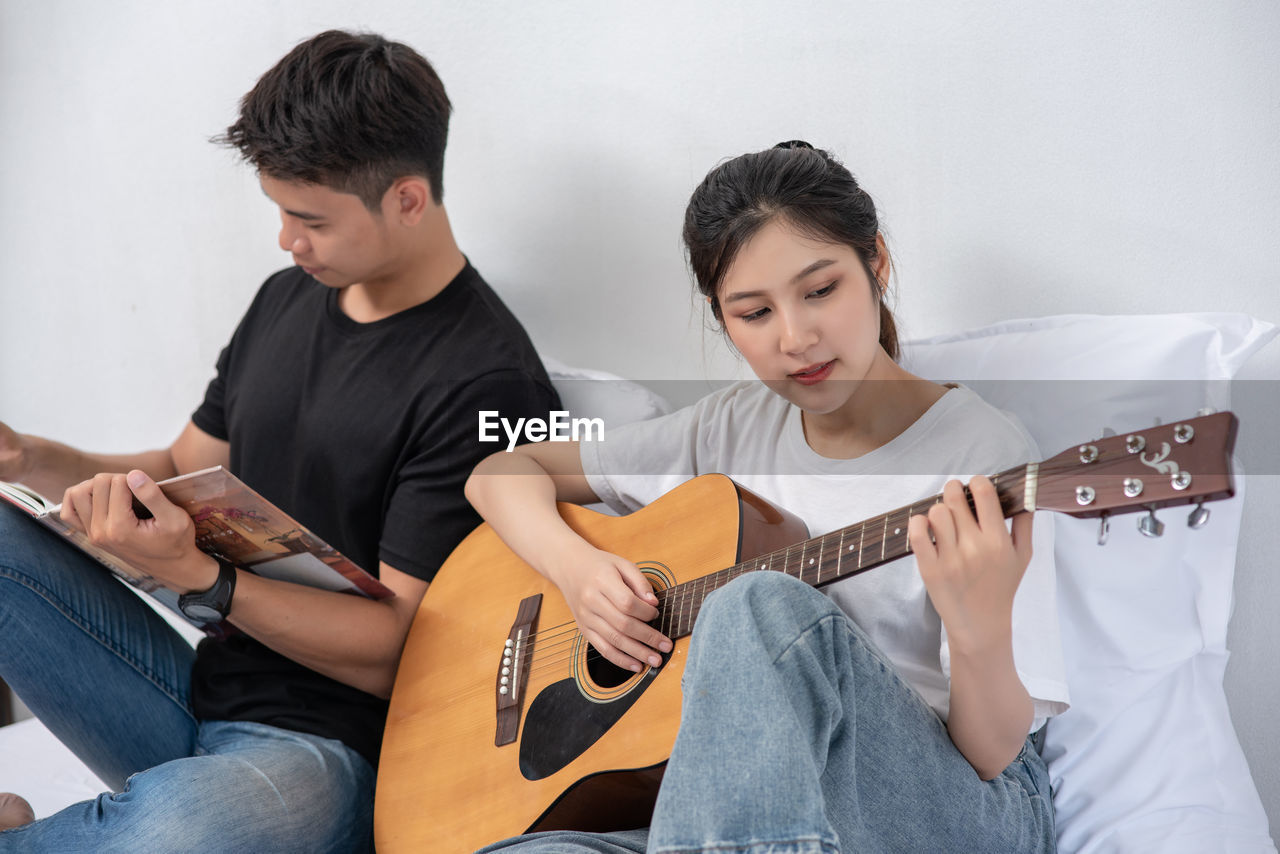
pixel 588 393
pixel 1146 758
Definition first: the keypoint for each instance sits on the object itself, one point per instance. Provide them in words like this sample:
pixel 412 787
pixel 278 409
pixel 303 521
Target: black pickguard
pixel 562 724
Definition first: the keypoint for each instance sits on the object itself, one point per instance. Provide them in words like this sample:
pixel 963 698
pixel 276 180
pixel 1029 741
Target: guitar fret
pixel 807 560
pixel 687 616
pixel 840 553
pixel 686 608
pixel 900 535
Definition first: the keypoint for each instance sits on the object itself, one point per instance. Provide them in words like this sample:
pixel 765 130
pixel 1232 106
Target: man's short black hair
pixel 350 111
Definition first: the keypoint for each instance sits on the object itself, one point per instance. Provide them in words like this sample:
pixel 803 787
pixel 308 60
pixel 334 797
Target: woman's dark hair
pixel 793 181
pixel 353 112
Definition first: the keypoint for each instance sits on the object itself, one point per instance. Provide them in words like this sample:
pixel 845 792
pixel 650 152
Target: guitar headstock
pixel 1186 462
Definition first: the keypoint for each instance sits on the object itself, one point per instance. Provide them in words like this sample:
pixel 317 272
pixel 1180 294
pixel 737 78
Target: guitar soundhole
pixel 603 672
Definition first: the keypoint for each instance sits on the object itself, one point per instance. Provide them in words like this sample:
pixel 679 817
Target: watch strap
pixel 218 597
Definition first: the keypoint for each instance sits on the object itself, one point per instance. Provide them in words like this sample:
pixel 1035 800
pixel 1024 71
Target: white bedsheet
pixel 35 765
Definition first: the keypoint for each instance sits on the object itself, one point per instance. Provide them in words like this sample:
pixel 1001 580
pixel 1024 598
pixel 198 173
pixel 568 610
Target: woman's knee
pixel 768 597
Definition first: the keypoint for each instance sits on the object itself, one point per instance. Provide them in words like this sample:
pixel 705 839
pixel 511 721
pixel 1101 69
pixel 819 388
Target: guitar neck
pixel 843 553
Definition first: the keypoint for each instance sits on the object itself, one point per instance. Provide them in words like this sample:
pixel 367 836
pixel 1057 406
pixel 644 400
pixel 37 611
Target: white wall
pixel 1028 158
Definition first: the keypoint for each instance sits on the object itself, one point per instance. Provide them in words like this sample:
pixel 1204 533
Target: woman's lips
pixel 814 374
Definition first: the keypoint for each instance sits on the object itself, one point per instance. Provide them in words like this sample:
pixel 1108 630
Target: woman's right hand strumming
pixel 516 493
pixel 612 603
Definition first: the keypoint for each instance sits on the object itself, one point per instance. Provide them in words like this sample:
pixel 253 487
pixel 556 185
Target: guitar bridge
pixel 512 671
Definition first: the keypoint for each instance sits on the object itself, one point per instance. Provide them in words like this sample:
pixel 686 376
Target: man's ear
pixel 407 199
pixel 884 264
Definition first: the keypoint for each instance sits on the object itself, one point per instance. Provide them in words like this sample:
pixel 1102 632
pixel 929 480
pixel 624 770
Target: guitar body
pixel 504 720
pixel 589 740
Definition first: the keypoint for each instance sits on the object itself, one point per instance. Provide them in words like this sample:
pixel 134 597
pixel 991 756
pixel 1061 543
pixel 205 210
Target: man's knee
pixel 225 803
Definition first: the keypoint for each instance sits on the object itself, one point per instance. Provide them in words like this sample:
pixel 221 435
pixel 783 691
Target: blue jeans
pixel 797 735
pixel 112 680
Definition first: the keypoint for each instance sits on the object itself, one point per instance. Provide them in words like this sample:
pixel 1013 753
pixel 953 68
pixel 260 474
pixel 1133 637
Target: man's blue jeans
pixel 112 680
pixel 797 735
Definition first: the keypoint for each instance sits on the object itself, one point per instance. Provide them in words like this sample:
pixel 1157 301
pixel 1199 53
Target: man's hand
pixel 163 546
pixel 15 463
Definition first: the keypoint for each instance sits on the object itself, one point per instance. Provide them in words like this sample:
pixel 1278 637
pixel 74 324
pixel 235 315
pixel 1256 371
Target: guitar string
pixel 683 597
pixel 876 541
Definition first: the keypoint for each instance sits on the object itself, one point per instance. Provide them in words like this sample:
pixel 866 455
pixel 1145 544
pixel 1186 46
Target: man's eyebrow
pixel 812 268
pixel 303 215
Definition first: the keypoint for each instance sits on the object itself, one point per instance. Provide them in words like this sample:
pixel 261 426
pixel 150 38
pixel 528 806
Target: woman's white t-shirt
pixel 755 436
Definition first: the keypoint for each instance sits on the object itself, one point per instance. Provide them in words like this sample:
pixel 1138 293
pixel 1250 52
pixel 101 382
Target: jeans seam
pixel 70 613
pixel 855 639
pixel 823 844
pixel 802 633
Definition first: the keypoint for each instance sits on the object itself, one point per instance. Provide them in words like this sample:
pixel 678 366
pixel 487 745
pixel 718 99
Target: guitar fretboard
pixel 827 558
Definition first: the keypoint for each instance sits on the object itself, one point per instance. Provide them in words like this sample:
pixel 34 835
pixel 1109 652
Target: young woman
pixel 892 713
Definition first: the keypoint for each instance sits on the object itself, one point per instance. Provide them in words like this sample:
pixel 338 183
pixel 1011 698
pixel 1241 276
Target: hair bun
pixel 794 143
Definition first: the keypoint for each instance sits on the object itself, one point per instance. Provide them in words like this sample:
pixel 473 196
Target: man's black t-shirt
pixel 365 433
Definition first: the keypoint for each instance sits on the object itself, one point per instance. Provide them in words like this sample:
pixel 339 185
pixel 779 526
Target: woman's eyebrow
pixel 812 268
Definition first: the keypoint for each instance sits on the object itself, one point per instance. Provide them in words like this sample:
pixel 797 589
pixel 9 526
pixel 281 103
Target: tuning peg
pixel 1198 517
pixel 1150 526
pixel 1104 529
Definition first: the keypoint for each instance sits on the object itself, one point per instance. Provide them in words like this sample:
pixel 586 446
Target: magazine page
pixel 235 522
pixel 25 499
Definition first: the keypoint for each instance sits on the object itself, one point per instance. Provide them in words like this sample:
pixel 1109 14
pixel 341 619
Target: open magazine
pixel 232 522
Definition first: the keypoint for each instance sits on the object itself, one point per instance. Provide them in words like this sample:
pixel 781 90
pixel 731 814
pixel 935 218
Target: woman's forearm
pixel 517 496
pixel 990 710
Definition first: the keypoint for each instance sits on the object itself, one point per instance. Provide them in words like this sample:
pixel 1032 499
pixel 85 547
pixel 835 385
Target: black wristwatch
pixel 212 605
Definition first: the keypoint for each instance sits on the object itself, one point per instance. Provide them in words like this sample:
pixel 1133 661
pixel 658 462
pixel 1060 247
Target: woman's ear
pixel 883 267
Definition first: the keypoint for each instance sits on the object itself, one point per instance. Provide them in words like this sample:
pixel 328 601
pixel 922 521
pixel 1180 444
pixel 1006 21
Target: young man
pixel 348 395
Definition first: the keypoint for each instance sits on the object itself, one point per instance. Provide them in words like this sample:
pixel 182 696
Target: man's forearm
pixel 54 466
pixel 354 640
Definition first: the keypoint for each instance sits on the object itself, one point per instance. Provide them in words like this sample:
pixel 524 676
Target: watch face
pixel 204 613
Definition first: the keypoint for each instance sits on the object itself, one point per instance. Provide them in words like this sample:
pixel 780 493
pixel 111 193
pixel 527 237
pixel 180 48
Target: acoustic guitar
pixel 505 720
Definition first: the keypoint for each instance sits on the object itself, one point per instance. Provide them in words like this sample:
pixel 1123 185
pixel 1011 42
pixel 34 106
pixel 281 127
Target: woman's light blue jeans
pixel 112 680
pixel 797 735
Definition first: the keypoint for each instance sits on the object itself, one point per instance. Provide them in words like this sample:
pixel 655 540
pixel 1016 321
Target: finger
pixel 101 504
pixel 942 523
pixel 624 650
pixel 70 513
pixel 954 497
pixel 120 499
pixel 640 641
pixel 637 581
pixel 1021 529
pixel 920 537
pixel 622 599
pixel 631 619
pixel 149 494
pixel 611 652
pixel 986 503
